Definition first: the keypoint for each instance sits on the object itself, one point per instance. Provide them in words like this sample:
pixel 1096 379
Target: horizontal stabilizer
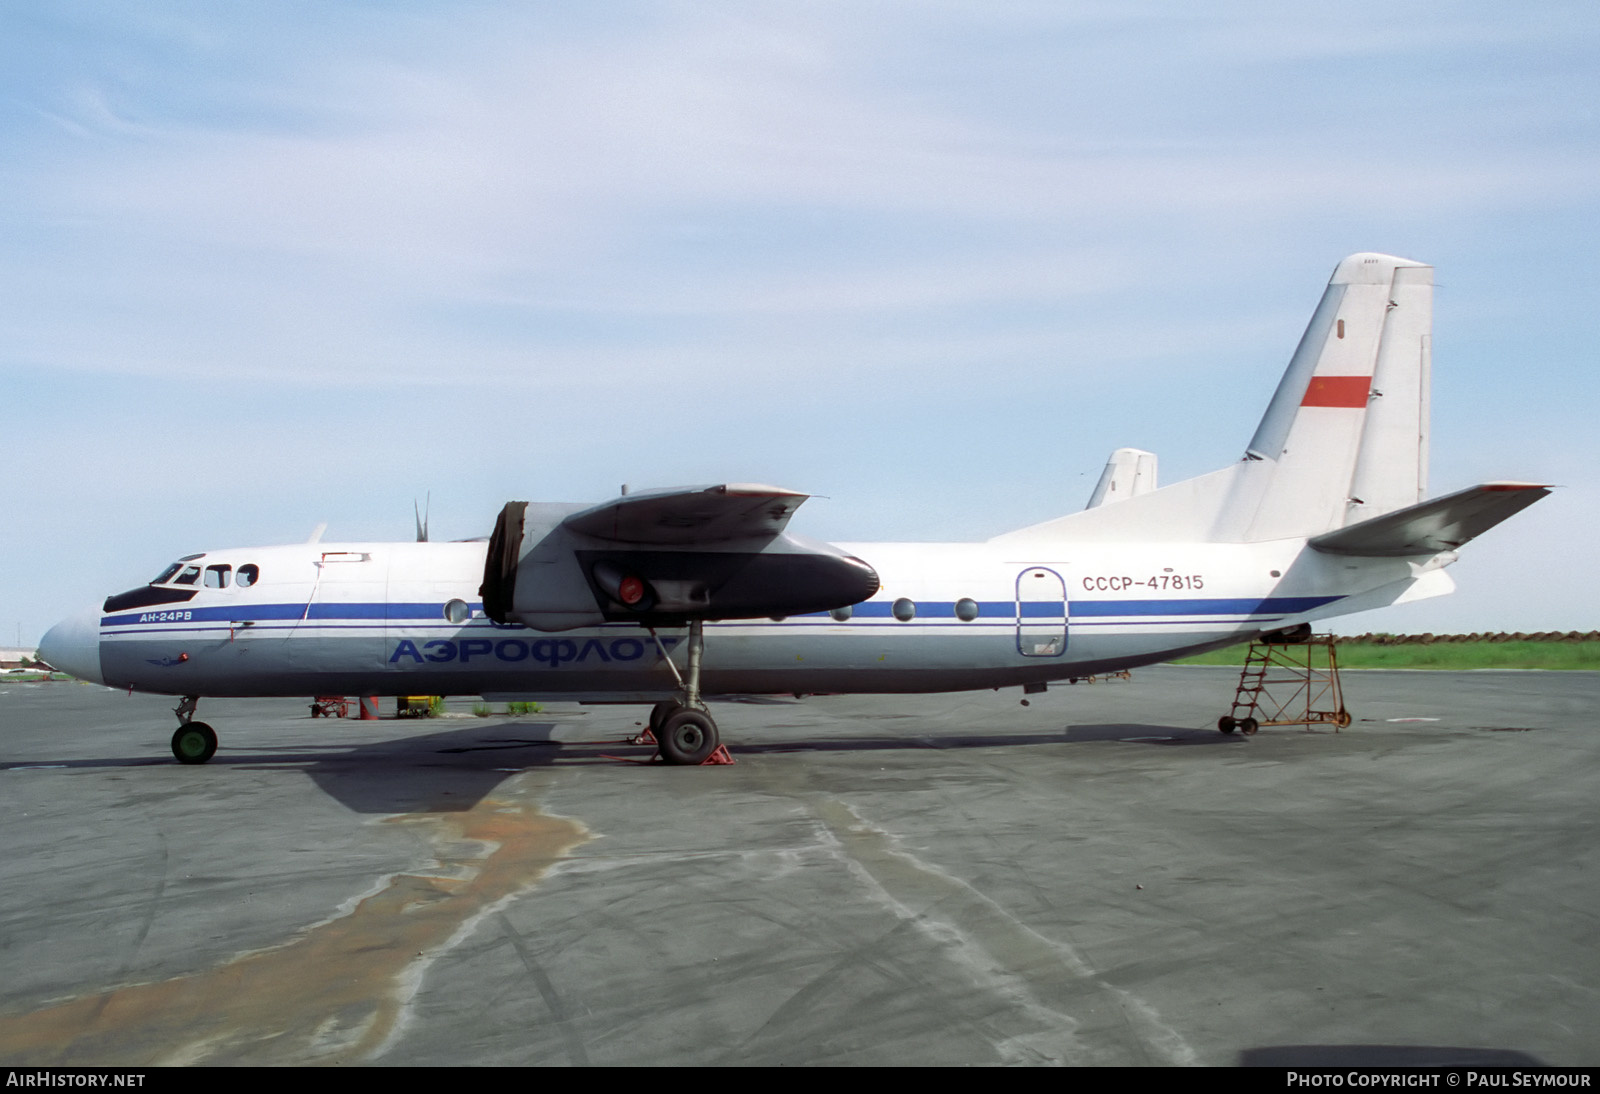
pixel 1430 527
pixel 694 515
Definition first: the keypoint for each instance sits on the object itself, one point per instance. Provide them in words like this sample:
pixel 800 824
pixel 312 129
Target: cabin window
pixel 842 615
pixel 456 611
pixel 905 609
pixel 217 577
pixel 966 609
pixel 190 573
pixel 249 574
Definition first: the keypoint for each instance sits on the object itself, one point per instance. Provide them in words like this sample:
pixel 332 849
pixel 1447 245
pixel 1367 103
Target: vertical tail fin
pixel 1344 439
pixel 1346 433
pixel 1129 472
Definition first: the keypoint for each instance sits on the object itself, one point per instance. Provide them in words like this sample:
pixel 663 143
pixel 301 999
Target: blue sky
pixel 272 265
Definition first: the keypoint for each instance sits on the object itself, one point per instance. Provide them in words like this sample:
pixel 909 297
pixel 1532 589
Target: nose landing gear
pixel 194 742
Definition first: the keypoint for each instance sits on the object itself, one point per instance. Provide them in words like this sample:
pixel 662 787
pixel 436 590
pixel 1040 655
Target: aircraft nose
pixel 73 646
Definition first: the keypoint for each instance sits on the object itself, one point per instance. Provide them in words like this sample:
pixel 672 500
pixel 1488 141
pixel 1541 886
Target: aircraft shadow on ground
pixel 454 769
pixel 910 740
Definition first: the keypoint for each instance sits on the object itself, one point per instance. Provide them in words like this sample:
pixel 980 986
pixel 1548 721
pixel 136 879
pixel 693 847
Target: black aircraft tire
pixel 1248 726
pixel 661 712
pixel 687 738
pixel 194 743
pixel 1227 724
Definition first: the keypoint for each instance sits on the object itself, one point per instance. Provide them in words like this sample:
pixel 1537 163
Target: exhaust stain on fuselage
pixel 331 995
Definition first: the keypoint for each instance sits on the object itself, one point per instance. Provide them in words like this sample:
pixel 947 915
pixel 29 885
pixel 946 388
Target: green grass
pixel 1441 655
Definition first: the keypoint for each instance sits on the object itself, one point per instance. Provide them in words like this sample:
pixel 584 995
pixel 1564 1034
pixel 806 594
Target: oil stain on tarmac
pixel 335 993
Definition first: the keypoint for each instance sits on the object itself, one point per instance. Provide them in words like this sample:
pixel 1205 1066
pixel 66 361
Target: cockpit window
pixel 217 576
pixel 249 574
pixel 188 576
pixel 166 575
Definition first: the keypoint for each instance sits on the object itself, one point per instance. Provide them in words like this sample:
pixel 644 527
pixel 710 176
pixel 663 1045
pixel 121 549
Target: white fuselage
pixel 405 618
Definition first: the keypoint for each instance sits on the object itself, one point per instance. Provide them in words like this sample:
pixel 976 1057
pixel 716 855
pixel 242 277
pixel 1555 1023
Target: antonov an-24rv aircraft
pixel 670 595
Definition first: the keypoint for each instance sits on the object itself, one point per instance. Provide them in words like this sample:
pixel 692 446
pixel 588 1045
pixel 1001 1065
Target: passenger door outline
pixel 1041 613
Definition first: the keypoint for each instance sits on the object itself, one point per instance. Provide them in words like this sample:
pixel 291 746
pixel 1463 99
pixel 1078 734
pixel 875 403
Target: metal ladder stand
pixel 1288 680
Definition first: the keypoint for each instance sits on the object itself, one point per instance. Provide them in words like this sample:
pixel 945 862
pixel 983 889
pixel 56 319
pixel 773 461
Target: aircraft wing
pixel 703 515
pixel 1430 527
pixel 662 558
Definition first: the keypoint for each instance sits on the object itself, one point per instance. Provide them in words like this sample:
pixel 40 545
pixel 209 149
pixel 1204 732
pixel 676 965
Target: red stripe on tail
pixel 1343 391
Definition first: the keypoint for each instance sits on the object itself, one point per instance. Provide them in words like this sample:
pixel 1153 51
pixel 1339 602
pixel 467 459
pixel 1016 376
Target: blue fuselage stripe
pixel 927 611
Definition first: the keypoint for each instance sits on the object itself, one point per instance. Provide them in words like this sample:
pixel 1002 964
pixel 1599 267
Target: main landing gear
pixel 683 735
pixel 194 742
pixel 683 728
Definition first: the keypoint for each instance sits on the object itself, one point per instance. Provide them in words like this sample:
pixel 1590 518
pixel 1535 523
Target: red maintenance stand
pixel 1288 680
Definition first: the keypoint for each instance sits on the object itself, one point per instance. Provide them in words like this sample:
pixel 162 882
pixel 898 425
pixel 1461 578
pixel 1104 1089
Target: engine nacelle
pixel 546 570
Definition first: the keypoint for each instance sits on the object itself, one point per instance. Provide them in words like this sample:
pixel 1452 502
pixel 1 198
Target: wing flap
pixel 1430 527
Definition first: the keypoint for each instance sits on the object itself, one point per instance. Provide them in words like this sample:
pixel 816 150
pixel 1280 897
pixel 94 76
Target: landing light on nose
pixel 73 646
